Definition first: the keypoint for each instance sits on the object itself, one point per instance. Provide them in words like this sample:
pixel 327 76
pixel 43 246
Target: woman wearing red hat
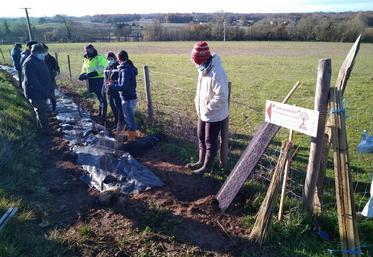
pixel 211 104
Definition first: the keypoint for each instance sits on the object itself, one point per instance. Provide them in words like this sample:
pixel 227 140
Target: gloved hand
pixel 92 74
pixel 83 76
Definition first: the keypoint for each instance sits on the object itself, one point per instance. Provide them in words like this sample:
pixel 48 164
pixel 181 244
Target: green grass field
pixel 258 71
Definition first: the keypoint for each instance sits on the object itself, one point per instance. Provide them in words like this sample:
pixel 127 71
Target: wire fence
pixel 173 104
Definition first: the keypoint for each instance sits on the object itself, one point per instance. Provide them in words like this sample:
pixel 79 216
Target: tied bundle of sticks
pixel 263 219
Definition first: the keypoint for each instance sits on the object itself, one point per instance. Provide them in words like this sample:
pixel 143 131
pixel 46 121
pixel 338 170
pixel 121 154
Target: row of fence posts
pixel 150 110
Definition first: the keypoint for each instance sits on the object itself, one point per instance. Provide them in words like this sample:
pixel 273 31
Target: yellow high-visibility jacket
pixel 98 64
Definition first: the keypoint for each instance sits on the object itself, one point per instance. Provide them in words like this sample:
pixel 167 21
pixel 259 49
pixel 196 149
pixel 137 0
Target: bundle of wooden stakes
pixel 260 230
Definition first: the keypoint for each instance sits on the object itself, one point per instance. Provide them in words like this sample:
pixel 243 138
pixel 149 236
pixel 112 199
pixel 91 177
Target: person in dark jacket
pixel 110 81
pixel 27 52
pixel 54 70
pixel 37 85
pixel 16 58
pixel 127 92
pixel 93 71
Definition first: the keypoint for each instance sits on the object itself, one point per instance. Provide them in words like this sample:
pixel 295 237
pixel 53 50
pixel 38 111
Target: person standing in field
pixel 37 86
pixel 16 58
pixel 93 71
pixel 27 52
pixel 211 104
pixel 110 82
pixel 127 92
pixel 54 70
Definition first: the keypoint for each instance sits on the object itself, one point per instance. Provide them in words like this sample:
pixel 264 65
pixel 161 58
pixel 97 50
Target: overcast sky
pixel 91 7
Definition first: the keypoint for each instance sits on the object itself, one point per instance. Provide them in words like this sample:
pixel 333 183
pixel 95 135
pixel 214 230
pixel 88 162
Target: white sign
pixel 292 117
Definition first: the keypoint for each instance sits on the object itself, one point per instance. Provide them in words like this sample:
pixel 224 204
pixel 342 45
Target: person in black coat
pixel 27 52
pixel 110 82
pixel 54 70
pixel 37 86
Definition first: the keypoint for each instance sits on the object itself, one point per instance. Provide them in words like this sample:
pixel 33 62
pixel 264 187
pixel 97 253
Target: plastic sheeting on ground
pixel 94 148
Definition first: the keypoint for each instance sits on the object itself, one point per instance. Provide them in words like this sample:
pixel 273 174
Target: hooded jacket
pixel 127 80
pixel 93 67
pixel 16 58
pixel 37 81
pixel 211 99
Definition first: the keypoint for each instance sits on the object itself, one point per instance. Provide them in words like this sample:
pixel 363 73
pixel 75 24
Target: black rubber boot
pixel 199 163
pixel 207 165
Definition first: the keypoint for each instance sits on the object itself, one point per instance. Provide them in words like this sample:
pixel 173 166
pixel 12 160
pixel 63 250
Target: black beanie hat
pixel 111 55
pixel 29 44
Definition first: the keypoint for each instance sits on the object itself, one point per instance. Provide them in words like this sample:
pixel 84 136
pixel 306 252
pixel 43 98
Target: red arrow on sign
pixel 269 111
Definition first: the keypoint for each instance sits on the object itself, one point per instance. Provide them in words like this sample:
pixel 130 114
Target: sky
pixel 41 8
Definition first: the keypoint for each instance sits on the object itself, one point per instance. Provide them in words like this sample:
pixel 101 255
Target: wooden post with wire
pixel 321 105
pixel 261 226
pixel 2 54
pixel 148 95
pixel 341 83
pixel 249 159
pixel 224 134
pixel 56 56
pixel 69 65
pixel 286 171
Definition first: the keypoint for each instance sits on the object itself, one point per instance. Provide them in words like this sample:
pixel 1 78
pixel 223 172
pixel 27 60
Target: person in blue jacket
pixel 37 86
pixel 16 58
pixel 127 92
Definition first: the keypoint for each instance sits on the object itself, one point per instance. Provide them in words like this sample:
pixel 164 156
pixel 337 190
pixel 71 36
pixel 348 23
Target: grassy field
pixel 22 181
pixel 258 71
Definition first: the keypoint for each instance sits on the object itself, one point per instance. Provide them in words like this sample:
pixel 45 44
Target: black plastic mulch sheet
pixel 94 148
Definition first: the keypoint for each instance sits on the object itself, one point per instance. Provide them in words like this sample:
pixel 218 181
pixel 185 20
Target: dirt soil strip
pixel 181 215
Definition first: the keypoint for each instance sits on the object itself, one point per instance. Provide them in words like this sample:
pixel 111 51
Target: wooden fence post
pixel 224 133
pixel 348 231
pixel 148 95
pixel 56 56
pixel 321 105
pixel 2 54
pixel 69 65
pixel 286 171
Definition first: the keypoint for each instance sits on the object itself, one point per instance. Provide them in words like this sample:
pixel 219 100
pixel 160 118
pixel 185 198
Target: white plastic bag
pixel 366 143
pixel 368 209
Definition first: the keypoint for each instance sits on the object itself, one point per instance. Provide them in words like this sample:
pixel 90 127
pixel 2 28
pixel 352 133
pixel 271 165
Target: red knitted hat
pixel 201 52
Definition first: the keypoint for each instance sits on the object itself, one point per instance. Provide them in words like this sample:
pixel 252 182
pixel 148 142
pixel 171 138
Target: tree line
pixel 333 27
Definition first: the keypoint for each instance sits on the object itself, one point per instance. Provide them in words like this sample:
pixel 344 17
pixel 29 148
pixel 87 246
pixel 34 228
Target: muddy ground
pixel 179 219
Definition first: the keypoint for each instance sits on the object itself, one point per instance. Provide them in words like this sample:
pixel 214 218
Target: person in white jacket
pixel 211 103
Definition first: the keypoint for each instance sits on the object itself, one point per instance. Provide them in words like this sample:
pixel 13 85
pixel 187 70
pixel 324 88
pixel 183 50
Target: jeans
pixel 208 133
pixel 129 110
pixel 116 107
